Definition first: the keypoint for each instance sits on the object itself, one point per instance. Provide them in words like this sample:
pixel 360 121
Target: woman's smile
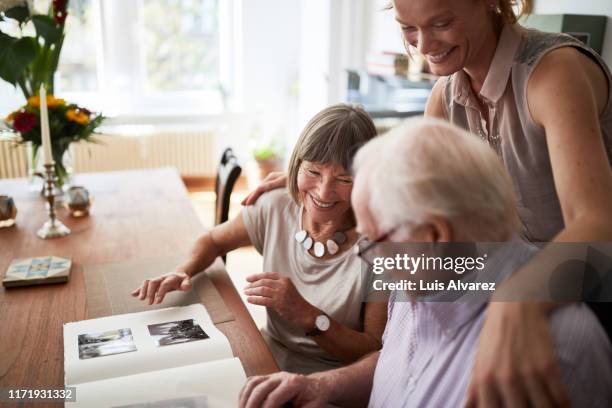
pixel 441 57
pixel 322 205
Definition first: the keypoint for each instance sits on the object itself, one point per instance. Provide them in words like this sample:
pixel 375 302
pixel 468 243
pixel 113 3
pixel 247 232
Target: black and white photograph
pixel 177 332
pixel 189 402
pixel 107 343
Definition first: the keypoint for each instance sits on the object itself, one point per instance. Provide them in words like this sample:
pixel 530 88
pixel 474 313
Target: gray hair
pixel 332 136
pixel 427 167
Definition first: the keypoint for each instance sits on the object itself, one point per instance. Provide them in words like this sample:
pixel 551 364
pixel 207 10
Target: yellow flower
pixel 52 102
pixel 77 116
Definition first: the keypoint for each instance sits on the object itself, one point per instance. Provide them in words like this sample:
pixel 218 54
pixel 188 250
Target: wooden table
pixel 135 214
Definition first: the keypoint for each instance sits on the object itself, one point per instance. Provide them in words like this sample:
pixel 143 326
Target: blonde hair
pixel 332 136
pixel 510 11
pixel 428 167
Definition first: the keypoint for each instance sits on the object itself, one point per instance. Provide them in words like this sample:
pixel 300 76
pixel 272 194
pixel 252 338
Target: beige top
pixel 336 285
pixel 517 139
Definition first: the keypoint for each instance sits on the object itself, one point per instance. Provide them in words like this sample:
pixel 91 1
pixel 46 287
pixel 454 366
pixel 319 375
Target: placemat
pixel 108 287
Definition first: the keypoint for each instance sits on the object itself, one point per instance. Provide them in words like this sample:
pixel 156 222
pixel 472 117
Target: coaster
pixel 37 271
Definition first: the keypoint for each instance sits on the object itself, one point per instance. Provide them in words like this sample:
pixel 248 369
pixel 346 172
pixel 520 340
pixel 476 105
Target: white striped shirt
pixel 429 347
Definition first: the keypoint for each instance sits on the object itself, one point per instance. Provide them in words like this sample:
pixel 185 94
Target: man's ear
pixel 440 229
pixel 433 229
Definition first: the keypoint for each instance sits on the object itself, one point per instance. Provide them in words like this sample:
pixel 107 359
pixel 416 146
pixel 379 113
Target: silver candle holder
pixel 52 228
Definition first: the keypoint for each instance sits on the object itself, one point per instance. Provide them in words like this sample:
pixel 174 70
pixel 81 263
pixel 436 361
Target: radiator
pixel 192 153
pixel 13 160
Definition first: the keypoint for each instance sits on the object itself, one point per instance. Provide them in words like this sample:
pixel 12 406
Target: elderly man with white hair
pixel 428 181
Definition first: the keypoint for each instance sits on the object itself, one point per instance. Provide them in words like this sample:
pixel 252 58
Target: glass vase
pixel 63 170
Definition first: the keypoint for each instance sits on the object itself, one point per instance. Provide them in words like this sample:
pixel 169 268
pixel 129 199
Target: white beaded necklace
pixel 332 244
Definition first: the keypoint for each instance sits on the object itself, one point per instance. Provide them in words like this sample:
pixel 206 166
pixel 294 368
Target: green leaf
pixel 4 41
pixel 15 56
pixel 19 13
pixel 46 28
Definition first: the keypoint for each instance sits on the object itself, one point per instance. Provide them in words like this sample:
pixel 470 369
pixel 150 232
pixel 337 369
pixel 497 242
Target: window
pixel 143 58
pixel 181 44
pixel 77 71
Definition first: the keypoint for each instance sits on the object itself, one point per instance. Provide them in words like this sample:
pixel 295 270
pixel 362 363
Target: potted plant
pixel 268 156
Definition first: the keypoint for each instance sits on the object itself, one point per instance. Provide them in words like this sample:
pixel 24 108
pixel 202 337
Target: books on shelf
pixel 163 357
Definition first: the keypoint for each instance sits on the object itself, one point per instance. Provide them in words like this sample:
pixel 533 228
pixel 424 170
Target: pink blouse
pixel 511 131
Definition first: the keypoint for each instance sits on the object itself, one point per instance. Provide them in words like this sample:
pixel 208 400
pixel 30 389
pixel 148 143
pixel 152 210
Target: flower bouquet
pixel 67 122
pixel 27 61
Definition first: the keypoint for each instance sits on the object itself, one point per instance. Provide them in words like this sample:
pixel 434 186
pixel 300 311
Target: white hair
pixel 427 167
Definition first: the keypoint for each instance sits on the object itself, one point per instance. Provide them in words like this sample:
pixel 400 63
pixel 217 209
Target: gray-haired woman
pixel 312 285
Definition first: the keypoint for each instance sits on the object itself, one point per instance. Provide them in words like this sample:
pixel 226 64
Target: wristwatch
pixel 322 324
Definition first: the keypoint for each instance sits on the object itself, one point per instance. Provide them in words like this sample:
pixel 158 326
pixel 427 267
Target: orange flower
pixel 11 116
pixel 34 101
pixel 78 116
pixel 52 101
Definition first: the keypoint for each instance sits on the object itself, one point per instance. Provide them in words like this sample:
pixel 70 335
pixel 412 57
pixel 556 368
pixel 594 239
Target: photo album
pixel 172 357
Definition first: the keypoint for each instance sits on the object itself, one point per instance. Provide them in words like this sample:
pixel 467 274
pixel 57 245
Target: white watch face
pixel 322 323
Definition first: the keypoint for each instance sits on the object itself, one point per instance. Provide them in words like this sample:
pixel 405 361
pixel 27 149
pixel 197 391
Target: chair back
pixel 228 172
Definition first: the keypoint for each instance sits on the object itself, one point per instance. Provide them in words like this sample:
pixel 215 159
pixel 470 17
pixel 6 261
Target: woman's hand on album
pixel 154 290
pixel 272 290
pixel 277 389
pixel 274 180
pixel 515 363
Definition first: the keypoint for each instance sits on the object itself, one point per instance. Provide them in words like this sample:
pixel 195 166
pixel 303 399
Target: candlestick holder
pixel 52 228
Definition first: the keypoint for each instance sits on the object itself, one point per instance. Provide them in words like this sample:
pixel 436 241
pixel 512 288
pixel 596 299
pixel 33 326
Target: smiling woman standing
pixel 312 285
pixel 539 99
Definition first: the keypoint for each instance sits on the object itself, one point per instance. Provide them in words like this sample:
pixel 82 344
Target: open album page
pixel 206 385
pixel 136 343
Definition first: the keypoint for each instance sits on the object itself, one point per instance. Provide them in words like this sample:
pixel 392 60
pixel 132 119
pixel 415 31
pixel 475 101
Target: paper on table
pixel 149 356
pixel 219 381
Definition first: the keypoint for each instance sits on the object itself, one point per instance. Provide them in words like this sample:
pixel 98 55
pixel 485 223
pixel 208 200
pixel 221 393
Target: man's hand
pixel 279 388
pixel 272 290
pixel 272 181
pixel 154 290
pixel 515 364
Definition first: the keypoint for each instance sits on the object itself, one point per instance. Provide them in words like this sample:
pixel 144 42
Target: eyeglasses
pixel 361 252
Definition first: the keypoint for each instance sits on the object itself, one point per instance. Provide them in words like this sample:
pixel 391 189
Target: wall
pixel 270 44
pixel 599 7
pixel 386 35
pixel 335 37
pixel 314 59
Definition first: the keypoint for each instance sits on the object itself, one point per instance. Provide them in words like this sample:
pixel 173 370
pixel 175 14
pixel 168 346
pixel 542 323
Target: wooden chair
pixel 228 172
